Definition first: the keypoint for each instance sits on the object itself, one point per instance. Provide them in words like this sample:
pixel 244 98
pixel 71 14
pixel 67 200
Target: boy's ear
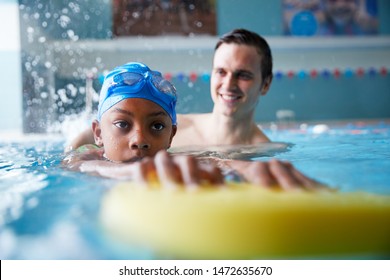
pixel 97 133
pixel 174 129
pixel 266 85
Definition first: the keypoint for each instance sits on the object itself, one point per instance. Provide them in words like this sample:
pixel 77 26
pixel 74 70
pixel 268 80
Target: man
pixel 242 72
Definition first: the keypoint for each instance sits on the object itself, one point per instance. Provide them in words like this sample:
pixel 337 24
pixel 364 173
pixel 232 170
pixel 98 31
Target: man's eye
pixel 244 76
pixel 220 71
pixel 158 126
pixel 121 124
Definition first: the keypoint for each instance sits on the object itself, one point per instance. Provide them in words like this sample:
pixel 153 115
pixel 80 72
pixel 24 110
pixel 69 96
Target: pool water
pixel 352 156
pixel 47 212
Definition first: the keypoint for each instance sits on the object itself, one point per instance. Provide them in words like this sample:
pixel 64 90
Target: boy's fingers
pixel 144 171
pixel 167 172
pixel 305 181
pixel 283 175
pixel 263 176
pixel 211 174
pixel 308 183
pixel 139 173
pixel 194 173
pixel 189 169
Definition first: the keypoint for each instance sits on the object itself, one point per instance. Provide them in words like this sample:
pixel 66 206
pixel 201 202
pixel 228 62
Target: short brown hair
pixel 246 37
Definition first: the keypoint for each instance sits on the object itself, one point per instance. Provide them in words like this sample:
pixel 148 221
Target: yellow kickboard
pixel 248 222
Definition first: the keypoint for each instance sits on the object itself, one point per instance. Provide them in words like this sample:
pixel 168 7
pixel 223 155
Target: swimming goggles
pixel 135 80
pixel 138 80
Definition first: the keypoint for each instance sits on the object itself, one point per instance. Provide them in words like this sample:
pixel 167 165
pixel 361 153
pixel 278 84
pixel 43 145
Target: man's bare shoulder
pixel 189 120
pixel 189 129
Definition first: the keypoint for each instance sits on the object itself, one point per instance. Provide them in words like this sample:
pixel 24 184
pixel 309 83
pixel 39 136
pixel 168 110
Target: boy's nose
pixel 138 141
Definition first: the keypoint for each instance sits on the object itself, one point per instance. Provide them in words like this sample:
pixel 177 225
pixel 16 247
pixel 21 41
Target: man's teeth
pixel 229 97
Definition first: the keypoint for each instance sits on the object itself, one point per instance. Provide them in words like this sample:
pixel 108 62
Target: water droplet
pixel 63 21
pixel 44 95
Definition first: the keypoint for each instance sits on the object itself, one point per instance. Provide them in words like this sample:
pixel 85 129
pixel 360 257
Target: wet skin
pixel 133 129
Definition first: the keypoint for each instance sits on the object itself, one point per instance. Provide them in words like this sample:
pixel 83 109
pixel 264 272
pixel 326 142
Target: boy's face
pixel 132 129
pixel 236 81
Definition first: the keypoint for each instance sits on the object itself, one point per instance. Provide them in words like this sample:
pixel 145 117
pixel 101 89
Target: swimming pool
pixel 50 213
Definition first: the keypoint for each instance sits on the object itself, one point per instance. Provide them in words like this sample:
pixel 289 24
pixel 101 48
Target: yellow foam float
pixel 243 221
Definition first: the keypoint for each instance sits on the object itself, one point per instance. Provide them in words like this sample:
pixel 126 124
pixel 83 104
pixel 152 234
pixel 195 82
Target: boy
pixel 136 119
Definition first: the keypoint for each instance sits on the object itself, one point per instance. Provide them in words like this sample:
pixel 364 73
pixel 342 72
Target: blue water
pixel 351 156
pixel 50 213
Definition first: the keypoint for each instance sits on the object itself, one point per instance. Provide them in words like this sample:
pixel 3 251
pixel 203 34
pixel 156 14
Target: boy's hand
pixel 173 171
pixel 274 174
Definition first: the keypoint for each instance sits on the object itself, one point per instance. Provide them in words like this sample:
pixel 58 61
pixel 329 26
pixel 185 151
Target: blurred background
pixel 331 57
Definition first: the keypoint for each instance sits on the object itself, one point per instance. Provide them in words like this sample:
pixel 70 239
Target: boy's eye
pixel 158 126
pixel 121 124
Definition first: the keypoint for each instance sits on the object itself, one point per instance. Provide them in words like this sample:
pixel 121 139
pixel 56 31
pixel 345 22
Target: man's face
pixel 236 81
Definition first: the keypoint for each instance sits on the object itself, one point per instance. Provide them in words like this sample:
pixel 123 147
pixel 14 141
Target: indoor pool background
pixel 50 213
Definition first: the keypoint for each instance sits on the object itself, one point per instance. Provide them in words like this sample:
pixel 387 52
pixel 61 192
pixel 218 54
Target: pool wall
pixel 351 74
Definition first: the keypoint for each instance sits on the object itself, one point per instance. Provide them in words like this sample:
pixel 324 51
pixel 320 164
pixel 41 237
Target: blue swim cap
pixel 136 80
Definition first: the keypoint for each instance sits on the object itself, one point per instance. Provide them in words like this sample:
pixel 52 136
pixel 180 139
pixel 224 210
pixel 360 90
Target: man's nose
pixel 138 141
pixel 230 82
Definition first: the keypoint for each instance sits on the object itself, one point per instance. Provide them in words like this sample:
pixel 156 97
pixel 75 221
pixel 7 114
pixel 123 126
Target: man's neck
pixel 227 130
